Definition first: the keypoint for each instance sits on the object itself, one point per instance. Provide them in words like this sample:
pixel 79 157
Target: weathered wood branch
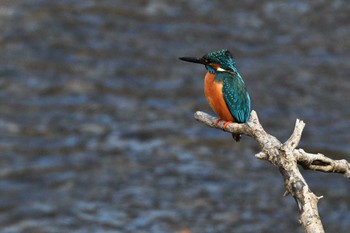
pixel 319 162
pixel 286 158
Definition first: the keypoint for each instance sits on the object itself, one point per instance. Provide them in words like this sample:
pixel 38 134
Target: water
pixel 97 130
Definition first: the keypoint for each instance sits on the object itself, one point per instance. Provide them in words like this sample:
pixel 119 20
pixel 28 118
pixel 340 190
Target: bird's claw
pixel 217 121
pixel 225 124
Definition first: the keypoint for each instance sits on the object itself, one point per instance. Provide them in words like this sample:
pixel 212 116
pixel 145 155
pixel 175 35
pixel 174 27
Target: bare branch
pixel 286 158
pixel 294 139
pixel 211 121
pixel 319 162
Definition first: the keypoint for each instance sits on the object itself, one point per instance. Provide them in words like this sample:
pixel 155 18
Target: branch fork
pixel 286 158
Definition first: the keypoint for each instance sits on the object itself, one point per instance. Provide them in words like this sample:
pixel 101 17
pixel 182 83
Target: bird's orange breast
pixel 215 97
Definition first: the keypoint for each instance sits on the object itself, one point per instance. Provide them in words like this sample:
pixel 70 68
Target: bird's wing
pixel 236 96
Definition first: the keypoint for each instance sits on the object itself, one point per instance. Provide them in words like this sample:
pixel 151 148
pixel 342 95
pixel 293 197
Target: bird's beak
pixel 193 59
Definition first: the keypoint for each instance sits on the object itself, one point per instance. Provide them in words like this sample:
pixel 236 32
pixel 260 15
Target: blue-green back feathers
pixel 234 90
pixel 235 94
pixel 222 64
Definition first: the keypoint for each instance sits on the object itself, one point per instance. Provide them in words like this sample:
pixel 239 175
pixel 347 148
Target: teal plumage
pixel 236 96
pixel 223 58
pixel 224 87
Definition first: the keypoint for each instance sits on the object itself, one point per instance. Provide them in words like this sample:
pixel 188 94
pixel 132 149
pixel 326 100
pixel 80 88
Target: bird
pixel 224 88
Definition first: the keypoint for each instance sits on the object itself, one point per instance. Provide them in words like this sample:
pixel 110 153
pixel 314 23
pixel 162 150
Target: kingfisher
pixel 224 88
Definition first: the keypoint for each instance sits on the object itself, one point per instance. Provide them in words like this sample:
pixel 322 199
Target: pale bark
pixel 286 158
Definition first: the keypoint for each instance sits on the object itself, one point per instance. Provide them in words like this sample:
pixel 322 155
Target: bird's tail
pixel 236 137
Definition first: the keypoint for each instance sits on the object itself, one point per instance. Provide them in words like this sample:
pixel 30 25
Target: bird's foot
pixel 225 124
pixel 218 121
pixel 236 137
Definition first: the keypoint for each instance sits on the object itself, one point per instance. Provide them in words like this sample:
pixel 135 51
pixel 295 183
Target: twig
pixel 319 162
pixel 286 158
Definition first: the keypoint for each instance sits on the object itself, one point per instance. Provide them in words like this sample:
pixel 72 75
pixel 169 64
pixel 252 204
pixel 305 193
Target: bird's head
pixel 221 60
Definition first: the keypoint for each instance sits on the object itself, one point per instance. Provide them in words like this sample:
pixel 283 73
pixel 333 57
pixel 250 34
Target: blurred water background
pixel 96 119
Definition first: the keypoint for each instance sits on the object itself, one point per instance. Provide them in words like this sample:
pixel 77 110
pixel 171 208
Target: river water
pixel 96 120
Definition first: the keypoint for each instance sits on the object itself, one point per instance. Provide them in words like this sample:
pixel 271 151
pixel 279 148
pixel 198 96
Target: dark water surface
pixel 96 120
